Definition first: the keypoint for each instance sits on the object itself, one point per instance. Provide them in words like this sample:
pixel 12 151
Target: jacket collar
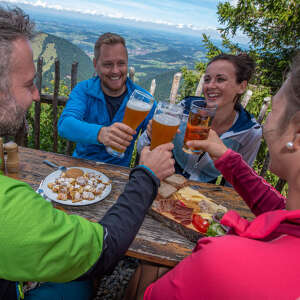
pixel 94 87
pixel 265 225
pixel 244 123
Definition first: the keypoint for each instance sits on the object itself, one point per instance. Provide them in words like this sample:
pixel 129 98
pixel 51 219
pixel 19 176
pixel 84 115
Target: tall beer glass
pixel 201 116
pixel 137 108
pixel 165 123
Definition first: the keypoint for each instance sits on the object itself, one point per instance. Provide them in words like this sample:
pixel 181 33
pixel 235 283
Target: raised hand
pixel 212 145
pixel 159 160
pixel 117 135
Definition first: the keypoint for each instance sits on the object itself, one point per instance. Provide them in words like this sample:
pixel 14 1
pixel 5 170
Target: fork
pixel 53 165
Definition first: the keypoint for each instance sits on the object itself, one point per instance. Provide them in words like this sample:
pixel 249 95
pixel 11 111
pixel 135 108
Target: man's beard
pixel 11 116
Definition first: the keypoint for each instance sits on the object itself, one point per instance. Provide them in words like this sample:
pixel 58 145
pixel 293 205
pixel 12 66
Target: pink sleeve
pixel 259 195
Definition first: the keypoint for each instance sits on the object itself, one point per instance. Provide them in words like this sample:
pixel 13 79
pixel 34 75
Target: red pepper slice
pixel 200 224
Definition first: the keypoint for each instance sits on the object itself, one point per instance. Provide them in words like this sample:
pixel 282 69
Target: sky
pixel 193 14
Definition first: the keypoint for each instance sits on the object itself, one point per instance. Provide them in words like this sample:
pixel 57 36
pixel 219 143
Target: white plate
pixel 53 196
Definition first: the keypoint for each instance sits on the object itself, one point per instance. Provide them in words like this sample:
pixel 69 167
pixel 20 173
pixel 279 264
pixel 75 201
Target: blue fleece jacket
pixel 86 113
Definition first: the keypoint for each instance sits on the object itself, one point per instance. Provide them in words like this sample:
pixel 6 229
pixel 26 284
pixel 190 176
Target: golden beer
pixel 198 125
pixel 135 113
pixel 164 128
pixel 137 108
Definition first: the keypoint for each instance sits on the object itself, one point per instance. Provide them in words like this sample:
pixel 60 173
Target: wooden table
pixel 154 241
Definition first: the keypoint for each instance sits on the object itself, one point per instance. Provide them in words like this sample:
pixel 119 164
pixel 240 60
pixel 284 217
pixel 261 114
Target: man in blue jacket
pixel 94 112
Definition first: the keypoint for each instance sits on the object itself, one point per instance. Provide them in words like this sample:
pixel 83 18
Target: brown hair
pixel 108 38
pixel 244 68
pixel 14 24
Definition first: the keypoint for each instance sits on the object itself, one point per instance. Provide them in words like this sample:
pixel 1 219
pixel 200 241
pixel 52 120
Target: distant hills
pixel 51 47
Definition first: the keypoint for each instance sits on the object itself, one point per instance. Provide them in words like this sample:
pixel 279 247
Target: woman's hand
pixel 213 145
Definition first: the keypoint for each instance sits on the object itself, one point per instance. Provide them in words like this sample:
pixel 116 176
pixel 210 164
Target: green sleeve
pixel 40 243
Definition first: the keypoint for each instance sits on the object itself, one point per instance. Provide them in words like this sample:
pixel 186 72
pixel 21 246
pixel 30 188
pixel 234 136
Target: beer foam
pixel 167 119
pixel 139 105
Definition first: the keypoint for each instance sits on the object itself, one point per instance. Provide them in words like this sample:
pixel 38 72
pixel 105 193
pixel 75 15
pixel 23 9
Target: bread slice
pixel 166 190
pixel 176 180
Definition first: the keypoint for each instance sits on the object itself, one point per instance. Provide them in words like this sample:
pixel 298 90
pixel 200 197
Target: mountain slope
pixel 51 47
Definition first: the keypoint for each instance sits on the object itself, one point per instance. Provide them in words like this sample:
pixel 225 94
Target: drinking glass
pixel 199 122
pixel 137 108
pixel 165 123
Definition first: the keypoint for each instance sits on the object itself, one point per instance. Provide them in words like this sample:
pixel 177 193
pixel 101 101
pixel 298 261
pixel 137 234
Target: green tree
pixel 273 28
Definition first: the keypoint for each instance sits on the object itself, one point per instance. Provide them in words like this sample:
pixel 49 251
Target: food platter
pixel 188 212
pixel 51 195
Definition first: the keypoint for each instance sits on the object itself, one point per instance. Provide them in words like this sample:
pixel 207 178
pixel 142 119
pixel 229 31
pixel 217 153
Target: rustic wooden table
pixel 154 241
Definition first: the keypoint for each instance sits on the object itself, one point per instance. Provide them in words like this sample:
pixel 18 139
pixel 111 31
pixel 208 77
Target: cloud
pixel 111 9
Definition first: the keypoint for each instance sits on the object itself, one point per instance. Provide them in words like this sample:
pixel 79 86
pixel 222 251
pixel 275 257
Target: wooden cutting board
pixel 188 231
pixel 220 195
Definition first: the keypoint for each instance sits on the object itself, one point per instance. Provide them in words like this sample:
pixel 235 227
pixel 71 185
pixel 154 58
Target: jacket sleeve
pixel 71 124
pixel 251 146
pixel 259 195
pixel 143 141
pixel 40 243
pixel 123 220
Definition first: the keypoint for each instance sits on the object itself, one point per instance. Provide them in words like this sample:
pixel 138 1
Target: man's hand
pixel 159 160
pixel 117 135
pixel 213 145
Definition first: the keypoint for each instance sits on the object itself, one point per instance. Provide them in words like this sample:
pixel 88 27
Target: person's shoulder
pixel 7 184
pixel 89 83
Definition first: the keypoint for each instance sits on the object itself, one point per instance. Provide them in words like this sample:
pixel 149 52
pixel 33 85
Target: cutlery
pixel 53 165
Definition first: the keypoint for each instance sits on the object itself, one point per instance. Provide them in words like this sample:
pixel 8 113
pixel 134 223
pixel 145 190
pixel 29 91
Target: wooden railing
pixel 55 100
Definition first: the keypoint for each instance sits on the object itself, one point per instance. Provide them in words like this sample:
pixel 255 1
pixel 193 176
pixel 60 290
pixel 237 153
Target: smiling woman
pixel 226 78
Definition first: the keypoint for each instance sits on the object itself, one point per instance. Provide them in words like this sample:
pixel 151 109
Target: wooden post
pixel 152 87
pixel 131 73
pixel 246 98
pixel 54 105
pixel 175 86
pixel 199 89
pixel 37 105
pixel 74 72
pixel 263 110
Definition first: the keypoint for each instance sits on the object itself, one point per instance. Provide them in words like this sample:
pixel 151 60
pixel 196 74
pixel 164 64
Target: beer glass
pixel 137 108
pixel 165 123
pixel 199 122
